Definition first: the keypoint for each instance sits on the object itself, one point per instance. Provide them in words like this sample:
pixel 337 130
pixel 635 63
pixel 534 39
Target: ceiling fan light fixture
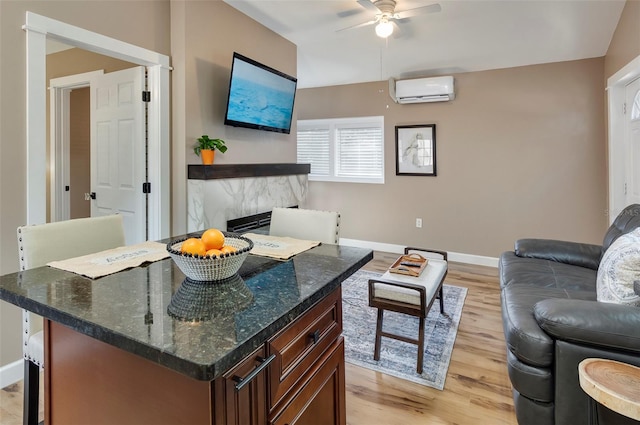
pixel 384 28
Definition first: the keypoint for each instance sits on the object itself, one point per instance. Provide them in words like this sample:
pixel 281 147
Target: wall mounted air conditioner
pixel 419 90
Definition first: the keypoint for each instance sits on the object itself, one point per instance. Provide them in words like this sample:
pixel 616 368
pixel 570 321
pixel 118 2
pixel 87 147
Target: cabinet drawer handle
pixel 241 382
pixel 315 336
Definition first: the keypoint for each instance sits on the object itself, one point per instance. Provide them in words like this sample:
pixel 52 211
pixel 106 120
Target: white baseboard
pixel 11 373
pixel 478 260
pixel 399 249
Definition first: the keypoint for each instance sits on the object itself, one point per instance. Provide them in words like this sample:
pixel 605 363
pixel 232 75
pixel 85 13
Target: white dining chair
pixel 314 225
pixel 38 245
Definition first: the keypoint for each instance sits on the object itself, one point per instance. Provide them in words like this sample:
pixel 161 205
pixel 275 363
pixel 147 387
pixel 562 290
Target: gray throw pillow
pixel 619 267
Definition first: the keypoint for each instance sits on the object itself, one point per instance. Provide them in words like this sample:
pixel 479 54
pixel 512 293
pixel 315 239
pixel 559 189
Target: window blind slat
pixel 360 152
pixel 313 148
pixel 349 149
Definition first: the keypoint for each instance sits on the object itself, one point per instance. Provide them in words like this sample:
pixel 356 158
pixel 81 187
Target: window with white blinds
pixel 343 149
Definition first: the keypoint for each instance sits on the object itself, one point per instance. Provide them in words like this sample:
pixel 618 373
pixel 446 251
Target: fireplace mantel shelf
pixel 229 171
pixel 222 192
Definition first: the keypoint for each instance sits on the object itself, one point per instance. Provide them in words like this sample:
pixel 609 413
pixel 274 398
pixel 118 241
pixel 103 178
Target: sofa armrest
pixel 578 254
pixel 611 326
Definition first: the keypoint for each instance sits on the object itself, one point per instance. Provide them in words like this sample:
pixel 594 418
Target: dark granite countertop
pixel 133 310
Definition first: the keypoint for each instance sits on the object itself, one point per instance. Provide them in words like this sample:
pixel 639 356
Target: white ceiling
pixel 464 36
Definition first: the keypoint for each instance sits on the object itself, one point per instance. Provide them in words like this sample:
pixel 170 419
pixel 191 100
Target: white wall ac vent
pixel 419 90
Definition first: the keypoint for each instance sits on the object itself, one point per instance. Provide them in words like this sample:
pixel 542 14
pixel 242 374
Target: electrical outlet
pixel 418 222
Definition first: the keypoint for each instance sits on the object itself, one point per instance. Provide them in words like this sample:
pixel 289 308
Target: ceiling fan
pixel 387 17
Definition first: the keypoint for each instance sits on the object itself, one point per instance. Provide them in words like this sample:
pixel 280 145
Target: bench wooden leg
pixel 420 345
pixel 376 351
pixel 441 300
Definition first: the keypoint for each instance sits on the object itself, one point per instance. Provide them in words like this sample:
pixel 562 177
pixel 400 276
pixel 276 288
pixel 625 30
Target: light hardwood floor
pixel 477 389
pixel 11 403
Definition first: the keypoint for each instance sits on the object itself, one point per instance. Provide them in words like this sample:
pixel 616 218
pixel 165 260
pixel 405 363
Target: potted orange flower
pixel 206 148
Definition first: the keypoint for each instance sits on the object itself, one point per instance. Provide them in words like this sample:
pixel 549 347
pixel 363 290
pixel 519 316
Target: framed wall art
pixel 416 150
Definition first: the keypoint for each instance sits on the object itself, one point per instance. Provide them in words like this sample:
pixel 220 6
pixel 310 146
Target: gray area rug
pixel 399 358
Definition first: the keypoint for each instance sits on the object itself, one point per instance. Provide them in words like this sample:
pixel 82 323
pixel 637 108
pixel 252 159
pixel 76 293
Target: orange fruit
pixel 213 239
pixel 227 249
pixel 213 252
pixel 193 246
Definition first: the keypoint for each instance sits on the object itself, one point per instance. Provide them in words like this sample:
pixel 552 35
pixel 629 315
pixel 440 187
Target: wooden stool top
pixel 613 384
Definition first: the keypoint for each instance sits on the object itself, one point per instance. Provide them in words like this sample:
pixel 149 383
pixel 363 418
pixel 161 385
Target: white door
pixel 632 132
pixel 118 159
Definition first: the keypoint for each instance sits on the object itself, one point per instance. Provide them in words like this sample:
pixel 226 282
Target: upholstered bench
pixel 409 295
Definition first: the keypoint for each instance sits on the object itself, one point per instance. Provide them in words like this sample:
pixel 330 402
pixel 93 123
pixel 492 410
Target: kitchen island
pixel 146 346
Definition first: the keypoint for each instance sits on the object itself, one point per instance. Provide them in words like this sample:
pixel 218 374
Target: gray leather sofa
pixel 552 321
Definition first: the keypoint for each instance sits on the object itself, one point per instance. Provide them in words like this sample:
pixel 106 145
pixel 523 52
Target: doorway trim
pixel 616 98
pixel 38 28
pixel 59 138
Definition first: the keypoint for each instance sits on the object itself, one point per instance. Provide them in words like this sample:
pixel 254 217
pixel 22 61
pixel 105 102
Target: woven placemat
pixel 280 247
pixel 113 260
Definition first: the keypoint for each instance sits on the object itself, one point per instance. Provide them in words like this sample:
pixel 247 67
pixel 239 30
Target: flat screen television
pixel 260 97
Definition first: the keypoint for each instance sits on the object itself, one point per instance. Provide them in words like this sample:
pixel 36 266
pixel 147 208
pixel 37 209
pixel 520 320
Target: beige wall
pixel 76 61
pixel 520 153
pixel 143 23
pixel 79 153
pixel 625 44
pixel 204 37
pixel 214 31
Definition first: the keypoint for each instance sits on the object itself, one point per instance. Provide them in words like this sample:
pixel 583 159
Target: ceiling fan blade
pixel 432 8
pixel 364 24
pixel 367 4
pixel 402 21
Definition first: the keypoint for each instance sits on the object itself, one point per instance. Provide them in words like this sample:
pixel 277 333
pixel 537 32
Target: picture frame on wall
pixel 416 150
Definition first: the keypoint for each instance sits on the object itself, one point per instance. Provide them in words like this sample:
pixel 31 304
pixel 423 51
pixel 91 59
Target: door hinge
pixel 624 108
pixel 625 188
pixel 146 187
pixel 146 96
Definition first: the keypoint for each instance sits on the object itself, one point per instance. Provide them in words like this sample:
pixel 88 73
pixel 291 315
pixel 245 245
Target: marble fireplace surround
pixel 218 193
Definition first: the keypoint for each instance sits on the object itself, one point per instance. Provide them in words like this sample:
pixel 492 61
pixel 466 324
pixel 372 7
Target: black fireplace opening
pixel 256 223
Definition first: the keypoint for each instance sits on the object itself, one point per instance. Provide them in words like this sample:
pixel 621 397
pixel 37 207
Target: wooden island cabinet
pixel 297 377
pixel 245 405
pixel 303 384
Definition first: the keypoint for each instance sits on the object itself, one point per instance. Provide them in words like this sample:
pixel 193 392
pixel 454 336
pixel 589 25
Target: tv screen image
pixel 259 96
